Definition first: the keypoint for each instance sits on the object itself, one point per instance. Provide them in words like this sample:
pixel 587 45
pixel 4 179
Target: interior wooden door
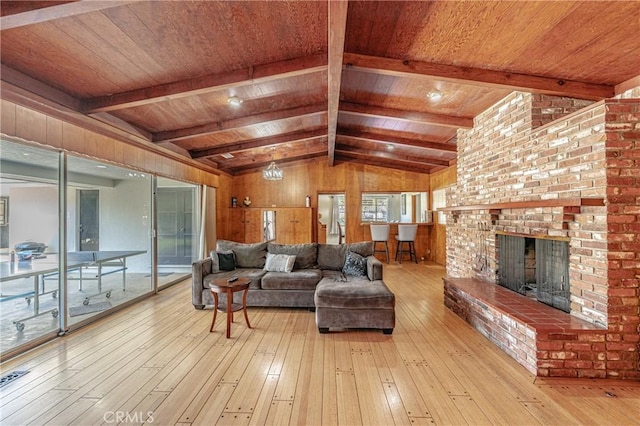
pixel 253 229
pixel 236 225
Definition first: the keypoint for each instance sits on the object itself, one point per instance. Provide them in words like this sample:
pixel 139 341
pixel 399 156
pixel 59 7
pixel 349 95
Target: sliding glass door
pixel 109 244
pixel 29 243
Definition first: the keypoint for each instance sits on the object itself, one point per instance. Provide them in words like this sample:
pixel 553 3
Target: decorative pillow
pixel 215 263
pixel 306 254
pixel 226 260
pixel 279 262
pixel 355 265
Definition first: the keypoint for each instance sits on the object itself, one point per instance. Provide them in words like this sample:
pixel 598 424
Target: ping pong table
pixel 81 266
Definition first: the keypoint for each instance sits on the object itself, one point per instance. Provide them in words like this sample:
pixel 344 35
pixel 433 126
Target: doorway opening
pixel 332 218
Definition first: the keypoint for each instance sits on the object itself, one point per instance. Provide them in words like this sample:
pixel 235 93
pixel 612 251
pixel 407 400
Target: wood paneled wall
pixel 437 240
pixel 317 177
pixel 24 124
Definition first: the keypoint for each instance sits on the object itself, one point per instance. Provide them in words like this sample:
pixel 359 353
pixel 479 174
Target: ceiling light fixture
pixel 234 101
pixel 273 172
pixel 434 95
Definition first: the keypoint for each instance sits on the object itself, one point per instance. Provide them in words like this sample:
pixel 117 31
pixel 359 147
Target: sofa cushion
pixel 364 248
pixel 299 279
pixel 215 263
pixel 247 255
pixel 354 294
pixel 355 265
pixel 306 254
pixel 331 256
pixel 279 262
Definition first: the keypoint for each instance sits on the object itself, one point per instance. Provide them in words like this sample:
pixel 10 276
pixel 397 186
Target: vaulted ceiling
pixel 319 81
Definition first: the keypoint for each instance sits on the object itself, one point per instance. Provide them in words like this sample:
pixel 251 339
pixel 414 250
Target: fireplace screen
pixel 537 268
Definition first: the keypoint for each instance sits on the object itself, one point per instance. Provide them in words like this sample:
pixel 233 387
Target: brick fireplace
pixel 527 172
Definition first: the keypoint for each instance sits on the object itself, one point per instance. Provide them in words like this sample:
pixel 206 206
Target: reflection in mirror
pixel 268 225
pixel 395 207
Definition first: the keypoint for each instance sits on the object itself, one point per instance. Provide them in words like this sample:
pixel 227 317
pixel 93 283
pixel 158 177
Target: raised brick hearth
pixel 533 169
pixel 547 341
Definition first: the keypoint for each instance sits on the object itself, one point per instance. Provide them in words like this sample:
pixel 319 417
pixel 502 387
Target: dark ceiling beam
pixel 43 11
pixel 479 76
pixel 385 139
pixel 236 123
pixel 416 168
pixel 404 115
pixel 337 30
pixel 208 83
pixel 258 143
pixel 412 159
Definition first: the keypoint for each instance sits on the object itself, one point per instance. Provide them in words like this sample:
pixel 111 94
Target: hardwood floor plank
pixel 347 397
pixel 261 412
pixel 406 386
pixel 441 408
pixel 286 389
pixel 470 410
pixel 398 411
pixel 35 407
pixel 372 399
pixel 279 413
pixel 329 383
pixel 307 404
pixel 64 414
pixel 215 405
pixel 247 391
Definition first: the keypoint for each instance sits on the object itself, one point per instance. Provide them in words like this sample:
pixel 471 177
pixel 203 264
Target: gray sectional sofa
pixel 319 279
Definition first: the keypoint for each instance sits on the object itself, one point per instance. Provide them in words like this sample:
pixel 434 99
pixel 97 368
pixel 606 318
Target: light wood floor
pixel 157 361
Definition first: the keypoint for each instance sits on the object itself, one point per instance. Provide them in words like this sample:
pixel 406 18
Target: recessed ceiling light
pixel 434 95
pixel 227 155
pixel 234 101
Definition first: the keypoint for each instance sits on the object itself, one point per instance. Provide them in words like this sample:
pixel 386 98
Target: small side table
pixel 223 286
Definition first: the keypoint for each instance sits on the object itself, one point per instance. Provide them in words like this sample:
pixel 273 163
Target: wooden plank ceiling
pixel 319 81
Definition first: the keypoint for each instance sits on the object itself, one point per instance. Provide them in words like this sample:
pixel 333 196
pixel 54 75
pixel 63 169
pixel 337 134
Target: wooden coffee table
pixel 223 286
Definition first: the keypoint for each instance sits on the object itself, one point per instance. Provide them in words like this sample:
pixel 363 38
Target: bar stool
pixel 406 235
pixel 380 234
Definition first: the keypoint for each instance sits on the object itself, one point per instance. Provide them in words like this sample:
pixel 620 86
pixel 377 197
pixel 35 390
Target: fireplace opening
pixel 535 267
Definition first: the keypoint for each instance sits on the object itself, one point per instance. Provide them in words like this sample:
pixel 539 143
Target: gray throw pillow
pixel 279 262
pixel 355 265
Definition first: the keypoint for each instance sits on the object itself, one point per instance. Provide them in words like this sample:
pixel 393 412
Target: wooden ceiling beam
pixel 404 115
pixel 384 139
pixel 421 168
pixel 223 126
pixel 479 76
pixel 209 83
pixel 363 153
pixel 29 13
pixel 337 30
pixel 258 143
